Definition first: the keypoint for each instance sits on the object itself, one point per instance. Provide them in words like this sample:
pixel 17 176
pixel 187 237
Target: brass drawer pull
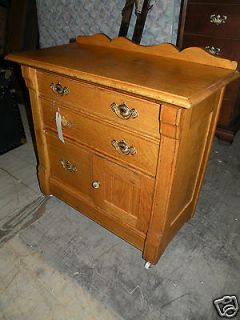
pixel 59 89
pixel 66 123
pixel 123 148
pixel 96 184
pixel 217 19
pixel 67 165
pixel 213 50
pixel 123 111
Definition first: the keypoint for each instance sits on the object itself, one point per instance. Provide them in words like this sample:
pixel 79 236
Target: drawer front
pixel 224 48
pixel 140 115
pixel 70 164
pixel 101 137
pixel 213 20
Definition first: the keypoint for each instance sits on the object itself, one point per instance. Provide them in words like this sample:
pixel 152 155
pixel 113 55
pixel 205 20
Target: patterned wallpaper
pixel 62 20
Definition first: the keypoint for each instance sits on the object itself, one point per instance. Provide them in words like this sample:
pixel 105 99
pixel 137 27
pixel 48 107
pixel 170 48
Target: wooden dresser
pixel 124 131
pixel 214 25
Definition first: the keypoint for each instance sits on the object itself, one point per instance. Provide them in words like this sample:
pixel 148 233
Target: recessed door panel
pixel 124 194
pixel 71 165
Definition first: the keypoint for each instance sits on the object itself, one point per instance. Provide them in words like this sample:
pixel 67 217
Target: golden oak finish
pixel 175 77
pixel 179 173
pixel 123 194
pixel 101 136
pixel 98 101
pixel 80 177
pixel 124 131
pixel 165 50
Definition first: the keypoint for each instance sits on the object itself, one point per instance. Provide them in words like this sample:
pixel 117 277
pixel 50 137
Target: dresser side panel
pixel 180 174
pixel 191 153
pixel 177 216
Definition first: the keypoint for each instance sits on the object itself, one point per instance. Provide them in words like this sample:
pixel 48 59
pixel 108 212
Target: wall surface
pixel 62 20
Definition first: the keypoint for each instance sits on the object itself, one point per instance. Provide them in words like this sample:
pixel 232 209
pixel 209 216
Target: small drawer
pixel 213 20
pixel 134 151
pixel 138 114
pixel 224 48
pixel 70 164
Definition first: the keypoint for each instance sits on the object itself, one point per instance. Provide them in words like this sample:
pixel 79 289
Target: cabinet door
pixel 123 194
pixel 70 165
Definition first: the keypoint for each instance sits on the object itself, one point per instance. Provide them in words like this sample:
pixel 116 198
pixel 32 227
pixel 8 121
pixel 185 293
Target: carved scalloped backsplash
pixel 62 20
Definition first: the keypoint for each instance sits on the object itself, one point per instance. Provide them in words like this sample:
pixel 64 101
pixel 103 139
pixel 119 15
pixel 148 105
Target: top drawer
pixel 221 21
pixel 138 114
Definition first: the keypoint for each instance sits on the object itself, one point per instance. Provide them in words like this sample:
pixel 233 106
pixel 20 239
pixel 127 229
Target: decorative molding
pixel 29 75
pixel 170 120
pixel 166 50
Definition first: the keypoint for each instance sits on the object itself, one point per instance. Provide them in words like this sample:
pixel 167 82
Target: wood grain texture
pixel 159 72
pixel 228 47
pixel 123 194
pixel 178 179
pixel 89 98
pixel 99 136
pixel 146 197
pixel 166 50
pixel 80 158
pixel 72 197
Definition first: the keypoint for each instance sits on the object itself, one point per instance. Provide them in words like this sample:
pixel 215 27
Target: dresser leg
pixel 43 181
pixel 152 252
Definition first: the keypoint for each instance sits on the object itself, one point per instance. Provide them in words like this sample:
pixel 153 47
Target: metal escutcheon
pixel 217 19
pixel 123 111
pixel 213 50
pixel 67 165
pixel 66 123
pixel 123 148
pixel 96 184
pixel 59 89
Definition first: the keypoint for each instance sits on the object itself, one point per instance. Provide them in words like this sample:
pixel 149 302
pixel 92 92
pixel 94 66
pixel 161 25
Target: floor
pixel 57 264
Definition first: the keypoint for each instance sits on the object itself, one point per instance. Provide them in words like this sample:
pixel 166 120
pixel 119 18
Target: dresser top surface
pixel 159 72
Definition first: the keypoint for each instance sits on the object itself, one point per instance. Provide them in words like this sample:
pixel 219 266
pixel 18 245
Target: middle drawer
pixel 121 145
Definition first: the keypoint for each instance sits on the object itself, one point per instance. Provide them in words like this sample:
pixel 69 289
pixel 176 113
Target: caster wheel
pixel 147 265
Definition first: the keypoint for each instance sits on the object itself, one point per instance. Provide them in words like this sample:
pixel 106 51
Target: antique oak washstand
pixel 124 131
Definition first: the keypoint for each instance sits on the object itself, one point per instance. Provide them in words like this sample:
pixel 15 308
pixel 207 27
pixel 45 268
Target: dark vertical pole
pixel 126 17
pixel 141 19
pixel 4 4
